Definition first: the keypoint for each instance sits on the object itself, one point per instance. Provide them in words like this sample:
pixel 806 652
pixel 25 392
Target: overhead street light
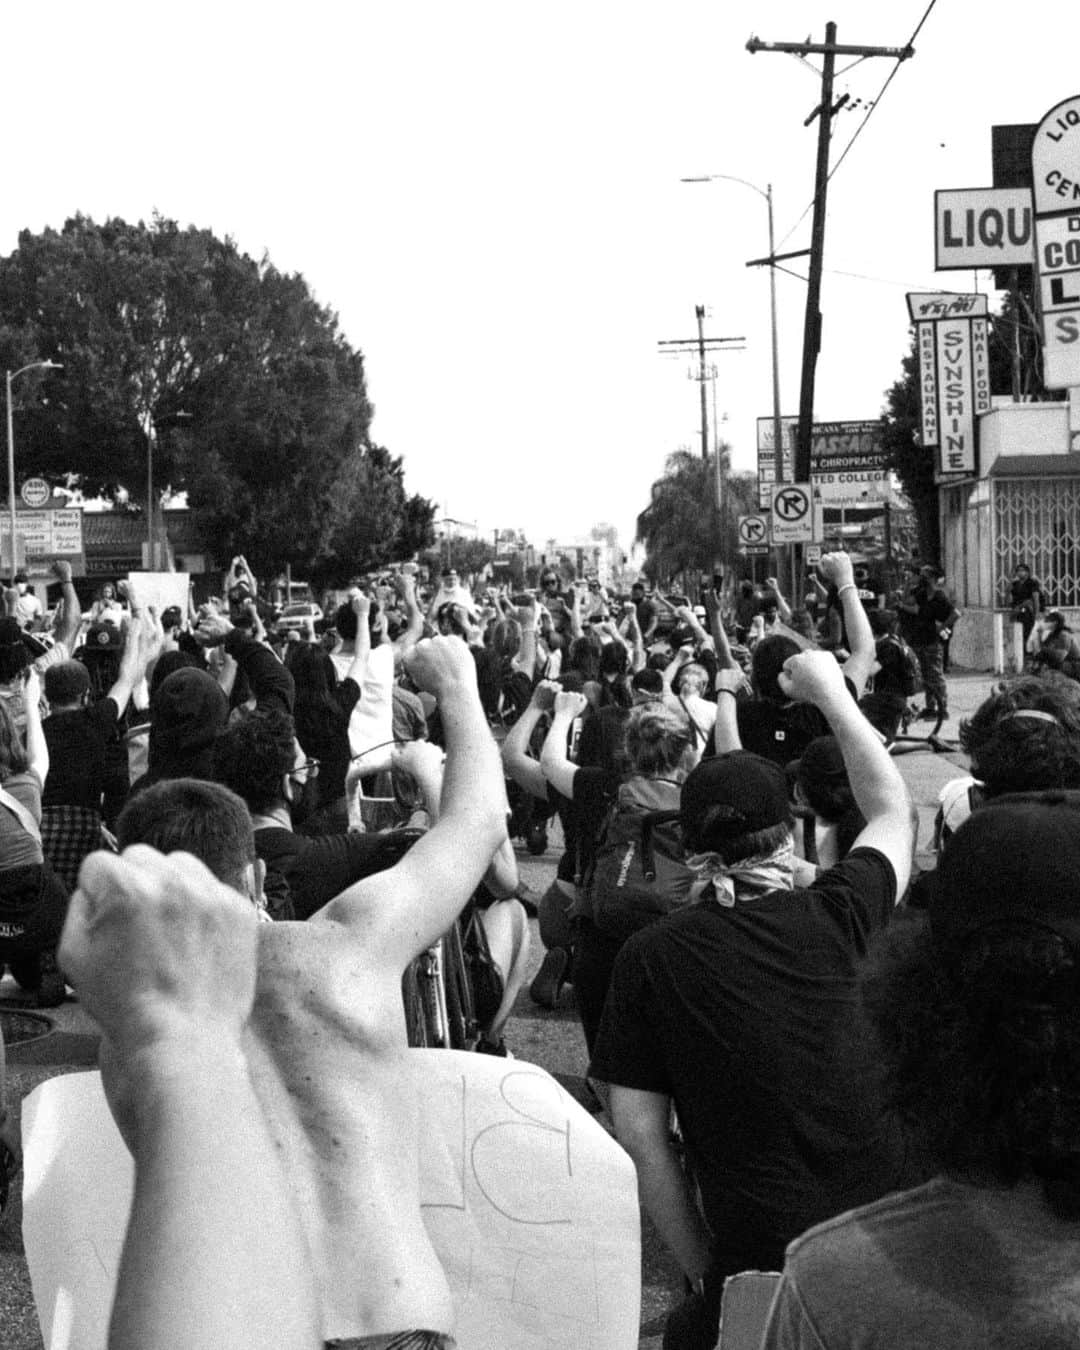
pixel 766 192
pixel 12 376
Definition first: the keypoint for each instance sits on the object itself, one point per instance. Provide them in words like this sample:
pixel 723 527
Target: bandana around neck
pixel 748 877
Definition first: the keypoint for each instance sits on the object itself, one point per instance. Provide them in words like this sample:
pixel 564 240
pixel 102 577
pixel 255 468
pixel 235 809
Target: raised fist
pixel 438 664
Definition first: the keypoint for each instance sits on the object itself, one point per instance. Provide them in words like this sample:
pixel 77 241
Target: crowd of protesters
pixel 229 841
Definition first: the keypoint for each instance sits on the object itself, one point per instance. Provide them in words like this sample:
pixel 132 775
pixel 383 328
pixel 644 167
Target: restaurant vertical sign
pixel 952 345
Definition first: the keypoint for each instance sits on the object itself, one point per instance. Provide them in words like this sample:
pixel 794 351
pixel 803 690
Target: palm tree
pixel 681 528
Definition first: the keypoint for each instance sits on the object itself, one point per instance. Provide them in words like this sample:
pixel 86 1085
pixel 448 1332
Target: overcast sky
pixel 488 195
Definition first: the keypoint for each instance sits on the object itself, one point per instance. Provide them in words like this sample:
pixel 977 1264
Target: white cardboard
pixel 531 1207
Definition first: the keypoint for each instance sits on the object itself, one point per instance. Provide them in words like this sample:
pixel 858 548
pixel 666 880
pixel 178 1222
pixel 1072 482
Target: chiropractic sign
pixel 1055 166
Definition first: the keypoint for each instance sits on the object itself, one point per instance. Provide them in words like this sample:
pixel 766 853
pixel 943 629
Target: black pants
pixel 594 960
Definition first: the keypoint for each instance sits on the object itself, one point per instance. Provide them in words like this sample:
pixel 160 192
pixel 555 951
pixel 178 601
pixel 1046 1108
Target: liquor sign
pixel 766 457
pixel 847 462
pixel 1055 166
pixel 44 536
pixel 982 227
pixel 953 348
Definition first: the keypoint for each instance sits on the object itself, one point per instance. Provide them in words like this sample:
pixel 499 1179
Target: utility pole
pixel 824 112
pixel 700 346
pixel 699 310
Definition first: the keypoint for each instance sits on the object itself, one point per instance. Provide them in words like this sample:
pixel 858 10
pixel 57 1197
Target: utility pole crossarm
pixel 755 45
pixel 774 258
pixel 693 342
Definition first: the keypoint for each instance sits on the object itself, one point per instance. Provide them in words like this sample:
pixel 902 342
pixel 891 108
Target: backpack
pixel 638 874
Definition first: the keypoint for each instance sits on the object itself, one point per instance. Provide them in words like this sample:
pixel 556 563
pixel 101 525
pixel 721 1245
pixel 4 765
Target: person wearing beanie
pixel 187 711
pixel 741 1011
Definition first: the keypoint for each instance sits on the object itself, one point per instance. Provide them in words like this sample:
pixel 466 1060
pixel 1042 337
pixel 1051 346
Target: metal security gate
pixel 1037 522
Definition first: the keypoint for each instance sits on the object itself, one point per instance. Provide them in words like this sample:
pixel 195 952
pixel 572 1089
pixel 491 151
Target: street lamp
pixel 765 192
pixel 12 376
pixel 778 440
pixel 152 424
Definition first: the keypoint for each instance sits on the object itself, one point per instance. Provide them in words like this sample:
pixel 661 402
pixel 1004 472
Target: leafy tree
pixel 681 529
pixel 912 464
pixel 256 403
pixel 469 557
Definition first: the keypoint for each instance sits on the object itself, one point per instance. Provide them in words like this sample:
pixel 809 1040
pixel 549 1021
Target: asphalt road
pixel 550 1039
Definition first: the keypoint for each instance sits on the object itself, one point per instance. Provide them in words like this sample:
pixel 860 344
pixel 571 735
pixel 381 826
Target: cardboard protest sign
pixel 530 1205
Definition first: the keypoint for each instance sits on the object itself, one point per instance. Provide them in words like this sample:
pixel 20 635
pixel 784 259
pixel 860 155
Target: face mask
pixel 305 800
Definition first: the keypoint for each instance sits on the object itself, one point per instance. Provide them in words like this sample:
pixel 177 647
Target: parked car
pixel 299 617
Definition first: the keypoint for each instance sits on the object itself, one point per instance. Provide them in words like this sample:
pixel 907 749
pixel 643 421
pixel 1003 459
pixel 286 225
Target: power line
pixel 858 130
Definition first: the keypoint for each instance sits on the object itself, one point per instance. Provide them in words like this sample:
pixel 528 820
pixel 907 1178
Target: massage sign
pixel 1055 166
pixel 954 375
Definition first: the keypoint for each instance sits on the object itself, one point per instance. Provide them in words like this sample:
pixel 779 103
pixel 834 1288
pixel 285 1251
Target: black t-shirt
pixel 81 767
pixel 935 608
pixel 747 1017
pixel 1023 592
pixel 318 869
pixel 781 731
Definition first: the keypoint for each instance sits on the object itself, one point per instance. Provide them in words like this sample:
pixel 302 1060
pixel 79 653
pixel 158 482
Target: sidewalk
pixel 927 772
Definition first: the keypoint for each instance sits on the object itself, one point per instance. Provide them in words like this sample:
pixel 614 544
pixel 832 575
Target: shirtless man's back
pixel 326 1044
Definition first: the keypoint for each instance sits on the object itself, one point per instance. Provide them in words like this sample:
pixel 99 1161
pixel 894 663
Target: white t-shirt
pixel 371 723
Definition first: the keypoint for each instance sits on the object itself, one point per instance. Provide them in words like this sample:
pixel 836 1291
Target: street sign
pixel 793 514
pixel 753 530
pixel 46 535
pixel 1055 172
pixel 35 492
pixel 982 227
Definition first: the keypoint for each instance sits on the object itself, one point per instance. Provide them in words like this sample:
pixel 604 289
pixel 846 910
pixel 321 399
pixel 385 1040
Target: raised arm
pixel 837 569
pixel 879 791
pixel 518 763
pixel 398 913
pixel 139 642
pixel 271 683
pixel 67 628
pixel 163 957
pixel 783 609
pixel 37 751
pixel 558 768
pixel 631 631
pixel 529 618
pixel 405 588
pixel 576 629
pixel 728 683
